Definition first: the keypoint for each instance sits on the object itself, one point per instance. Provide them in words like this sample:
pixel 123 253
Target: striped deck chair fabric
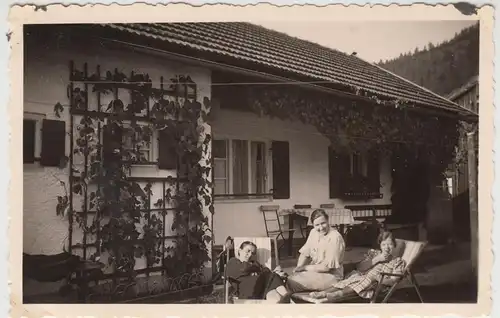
pixel 409 251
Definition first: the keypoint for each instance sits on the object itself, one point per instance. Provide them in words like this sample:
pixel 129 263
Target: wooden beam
pixel 473 204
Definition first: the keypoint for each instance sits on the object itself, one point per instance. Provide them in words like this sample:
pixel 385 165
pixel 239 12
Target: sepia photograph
pixel 235 162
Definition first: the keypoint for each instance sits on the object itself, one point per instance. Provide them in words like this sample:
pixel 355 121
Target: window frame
pixel 362 169
pixel 346 184
pixel 229 195
pixel 153 144
pixel 150 161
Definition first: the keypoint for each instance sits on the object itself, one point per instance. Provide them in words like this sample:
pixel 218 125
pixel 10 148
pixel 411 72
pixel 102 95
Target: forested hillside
pixel 440 68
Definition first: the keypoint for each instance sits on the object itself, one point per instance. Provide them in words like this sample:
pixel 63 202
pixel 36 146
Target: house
pixel 466 96
pixel 291 122
pixel 465 207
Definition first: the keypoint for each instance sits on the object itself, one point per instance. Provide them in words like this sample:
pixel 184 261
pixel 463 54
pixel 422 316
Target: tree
pixel 441 68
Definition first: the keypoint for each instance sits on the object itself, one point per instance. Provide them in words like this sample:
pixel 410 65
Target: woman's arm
pixel 236 269
pixel 371 259
pixel 303 260
pixel 319 268
pixel 365 265
pixel 304 255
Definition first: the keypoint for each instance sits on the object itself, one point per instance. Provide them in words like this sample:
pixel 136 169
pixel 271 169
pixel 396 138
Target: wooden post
pixel 473 204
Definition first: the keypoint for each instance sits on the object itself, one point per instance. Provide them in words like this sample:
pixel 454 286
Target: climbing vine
pixel 357 126
pixel 101 171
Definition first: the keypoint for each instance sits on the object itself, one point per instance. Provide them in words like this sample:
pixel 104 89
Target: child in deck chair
pixel 253 280
pixel 363 280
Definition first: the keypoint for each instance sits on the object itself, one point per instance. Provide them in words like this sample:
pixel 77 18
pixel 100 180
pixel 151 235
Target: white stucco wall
pixel 308 172
pixel 46 74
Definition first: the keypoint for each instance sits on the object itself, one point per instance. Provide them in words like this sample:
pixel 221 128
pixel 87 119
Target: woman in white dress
pixel 320 261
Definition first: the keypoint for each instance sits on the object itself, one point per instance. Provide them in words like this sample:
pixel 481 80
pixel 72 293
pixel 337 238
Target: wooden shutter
pixel 112 139
pixel 281 169
pixel 374 171
pixel 334 173
pixel 29 141
pixel 167 154
pixel 53 142
pixel 339 167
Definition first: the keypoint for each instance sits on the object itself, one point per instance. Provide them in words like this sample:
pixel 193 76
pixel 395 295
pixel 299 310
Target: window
pixel 354 175
pixel 32 136
pixel 359 165
pixel 29 136
pixel 137 142
pixel 239 167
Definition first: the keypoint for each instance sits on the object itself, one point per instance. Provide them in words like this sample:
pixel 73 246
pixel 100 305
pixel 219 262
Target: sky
pixel 375 40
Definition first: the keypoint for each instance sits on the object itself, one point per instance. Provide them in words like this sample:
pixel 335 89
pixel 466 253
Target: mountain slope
pixel 441 68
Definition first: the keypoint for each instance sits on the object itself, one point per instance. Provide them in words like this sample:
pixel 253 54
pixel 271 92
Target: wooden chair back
pixel 272 220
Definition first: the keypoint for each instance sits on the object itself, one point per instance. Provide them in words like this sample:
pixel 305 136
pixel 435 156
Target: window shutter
pixel 53 142
pixel 334 173
pixel 281 169
pixel 29 141
pixel 167 154
pixel 339 167
pixel 374 170
pixel 112 139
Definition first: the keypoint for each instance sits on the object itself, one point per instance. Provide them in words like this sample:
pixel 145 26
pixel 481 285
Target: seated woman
pixel 320 262
pixel 368 272
pixel 253 280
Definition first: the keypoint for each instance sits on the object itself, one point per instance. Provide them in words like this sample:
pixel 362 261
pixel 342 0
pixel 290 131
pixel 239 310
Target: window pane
pixel 220 168
pixel 240 166
pixel 144 154
pixel 220 186
pixel 258 165
pixel 219 149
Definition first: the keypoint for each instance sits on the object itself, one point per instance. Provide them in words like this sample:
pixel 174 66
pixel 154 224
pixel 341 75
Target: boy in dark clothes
pixel 252 280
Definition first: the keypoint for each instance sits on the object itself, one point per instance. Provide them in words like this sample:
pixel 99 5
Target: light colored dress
pixel 321 249
pixel 363 283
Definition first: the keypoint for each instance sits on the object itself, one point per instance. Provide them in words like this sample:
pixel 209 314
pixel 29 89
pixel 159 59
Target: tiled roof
pixel 256 44
pixel 464 88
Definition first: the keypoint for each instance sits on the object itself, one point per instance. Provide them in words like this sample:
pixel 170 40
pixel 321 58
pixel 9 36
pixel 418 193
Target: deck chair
pixel 272 222
pixel 409 251
pixel 264 256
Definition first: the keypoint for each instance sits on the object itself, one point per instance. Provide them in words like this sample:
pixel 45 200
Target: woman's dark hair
pixel 246 243
pixel 384 235
pixel 318 213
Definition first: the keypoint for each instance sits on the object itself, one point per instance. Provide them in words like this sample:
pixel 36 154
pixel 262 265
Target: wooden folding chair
pixel 273 225
pixel 264 256
pixel 409 251
pixel 303 226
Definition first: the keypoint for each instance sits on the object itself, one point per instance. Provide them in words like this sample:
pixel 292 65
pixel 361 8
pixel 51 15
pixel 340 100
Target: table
pixel 337 217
